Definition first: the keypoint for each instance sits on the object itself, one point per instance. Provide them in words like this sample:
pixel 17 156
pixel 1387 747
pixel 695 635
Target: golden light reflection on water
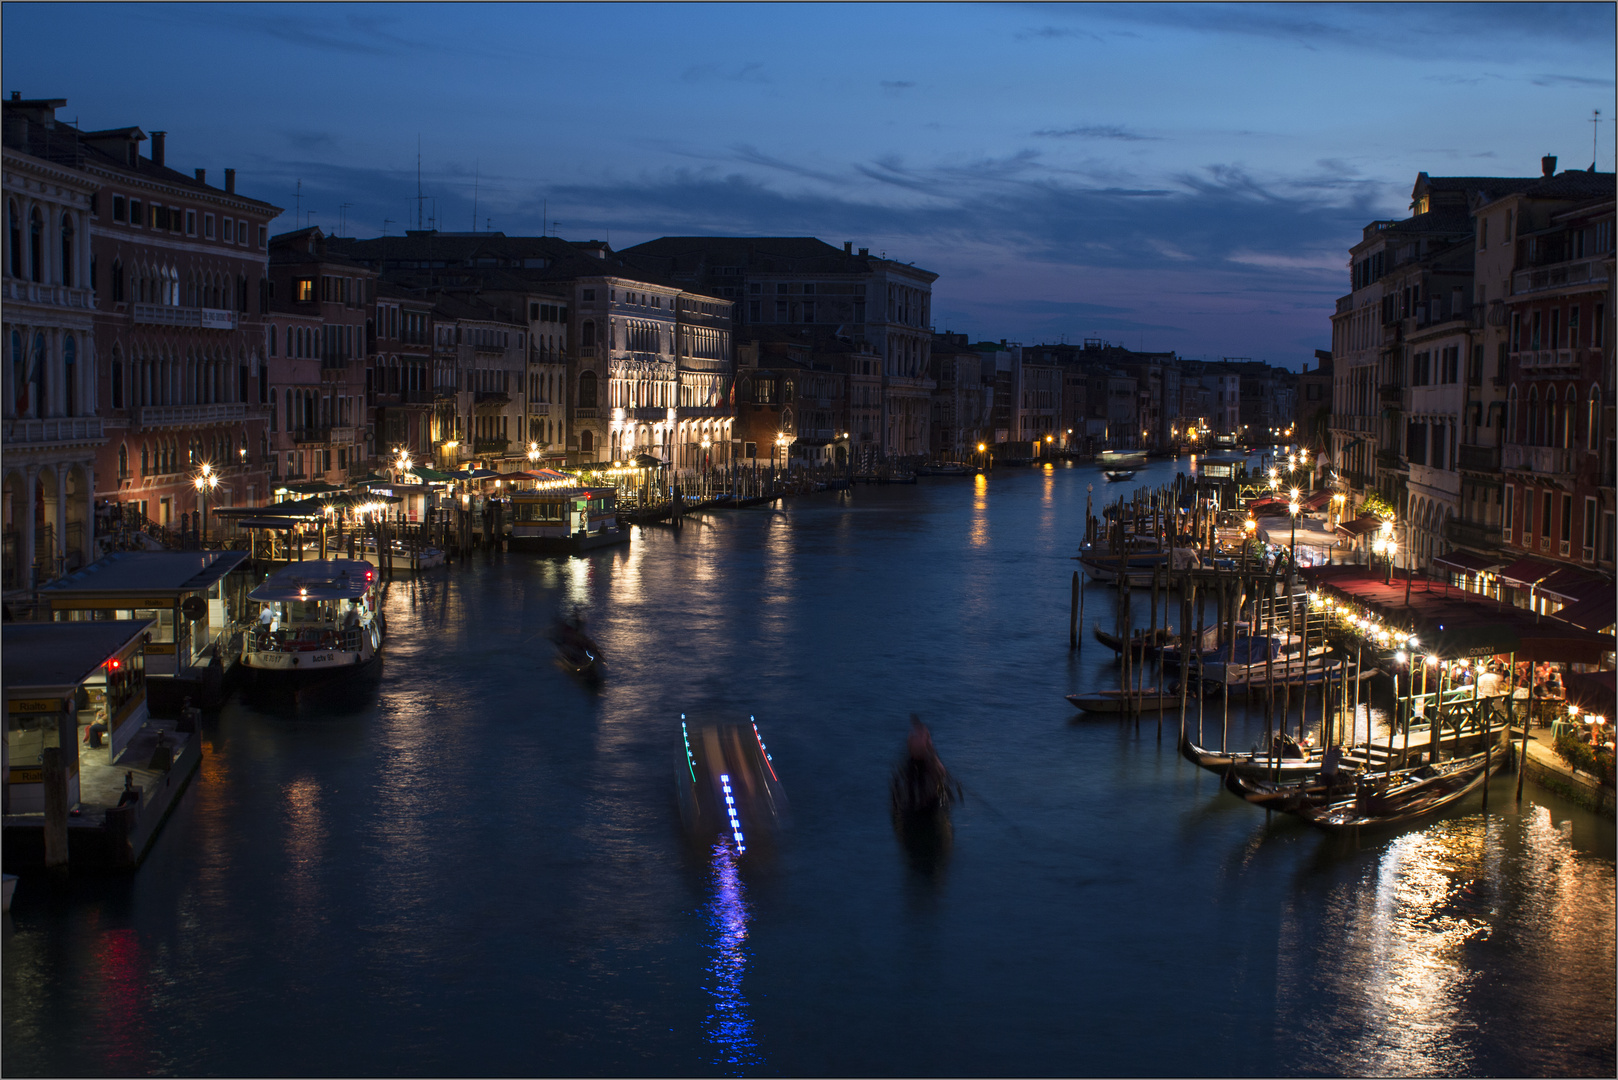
pixel 305 843
pixel 978 534
pixel 1385 979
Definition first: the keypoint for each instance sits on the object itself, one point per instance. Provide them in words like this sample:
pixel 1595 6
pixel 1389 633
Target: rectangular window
pixel 1567 524
pixel 134 213
pixel 781 310
pixel 1546 509
pixel 1607 537
pixel 117 208
pixel 1555 339
pixel 588 295
pixel 263 237
pixel 808 308
pixel 753 314
pixel 229 230
pixel 241 233
pixel 303 289
pixel 207 226
pixel 1589 530
pixel 190 223
pixel 1598 327
pixel 1527 517
pixel 1573 327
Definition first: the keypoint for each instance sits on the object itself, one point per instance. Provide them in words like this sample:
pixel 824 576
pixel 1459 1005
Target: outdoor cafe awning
pixel 1453 623
pixel 1365 523
pixel 1319 500
pixel 1572 586
pixel 1465 562
pixel 1596 613
pixel 1525 572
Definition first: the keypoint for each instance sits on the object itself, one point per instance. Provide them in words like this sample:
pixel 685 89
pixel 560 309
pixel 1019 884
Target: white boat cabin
pixel 315 616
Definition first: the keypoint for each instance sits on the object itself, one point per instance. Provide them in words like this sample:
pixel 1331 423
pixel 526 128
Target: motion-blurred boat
pixel 727 787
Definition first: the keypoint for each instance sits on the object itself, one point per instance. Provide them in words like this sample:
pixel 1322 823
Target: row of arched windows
pixel 169 380
pixel 42 382
pixel 1554 420
pixel 25 257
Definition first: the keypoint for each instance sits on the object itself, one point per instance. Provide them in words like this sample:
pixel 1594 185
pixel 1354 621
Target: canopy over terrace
pixel 295 511
pixel 1457 624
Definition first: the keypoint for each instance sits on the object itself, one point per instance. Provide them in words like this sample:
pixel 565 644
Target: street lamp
pixel 205 481
pixel 983 462
pixel 1384 547
pixel 707 442
pixel 1292 509
pixel 533 453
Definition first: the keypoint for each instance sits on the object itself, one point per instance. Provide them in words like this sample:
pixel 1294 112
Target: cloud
pixel 753 156
pixel 1096 131
pixel 1051 33
pixel 1568 80
pixel 895 85
pixel 310 141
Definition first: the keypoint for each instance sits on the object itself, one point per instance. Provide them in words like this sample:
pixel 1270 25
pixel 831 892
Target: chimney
pixel 848 247
pixel 864 252
pixel 159 136
pixel 230 181
pixel 16 95
pixel 202 176
pixel 1548 164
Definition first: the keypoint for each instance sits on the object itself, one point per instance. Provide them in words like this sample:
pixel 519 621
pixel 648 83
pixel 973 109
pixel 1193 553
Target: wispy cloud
pixel 753 156
pixel 896 85
pixel 1568 80
pixel 1096 131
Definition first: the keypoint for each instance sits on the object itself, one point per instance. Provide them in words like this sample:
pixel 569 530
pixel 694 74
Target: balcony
pixel 539 408
pixel 1387 459
pixel 493 398
pixel 30 292
pixel 1559 276
pixel 1551 361
pixel 165 315
pixel 163 416
pixel 320 435
pixel 1539 460
pixel 490 446
pixel 57 431
pixel 1391 394
pixel 1478 458
pixel 1470 534
pixel 585 413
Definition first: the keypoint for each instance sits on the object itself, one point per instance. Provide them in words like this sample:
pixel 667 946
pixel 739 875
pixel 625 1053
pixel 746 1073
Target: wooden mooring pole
pixel 1073 615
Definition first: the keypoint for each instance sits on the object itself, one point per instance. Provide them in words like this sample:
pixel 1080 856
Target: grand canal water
pixel 474 865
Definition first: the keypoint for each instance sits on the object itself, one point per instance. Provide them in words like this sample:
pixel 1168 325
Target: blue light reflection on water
pixel 730 1026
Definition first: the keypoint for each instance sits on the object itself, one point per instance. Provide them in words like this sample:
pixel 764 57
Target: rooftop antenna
pixel 544 214
pixel 418 182
pixel 342 218
pixel 475 171
pixel 385 223
pixel 1595 130
pixel 297 205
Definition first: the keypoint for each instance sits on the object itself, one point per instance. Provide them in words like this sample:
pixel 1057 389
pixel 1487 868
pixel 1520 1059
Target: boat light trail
pixel 730 808
pixel 762 749
pixel 690 762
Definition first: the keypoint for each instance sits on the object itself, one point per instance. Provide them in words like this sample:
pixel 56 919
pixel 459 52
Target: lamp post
pixel 983 461
pixel 533 453
pixel 205 481
pixel 1384 547
pixel 707 442
pixel 1292 509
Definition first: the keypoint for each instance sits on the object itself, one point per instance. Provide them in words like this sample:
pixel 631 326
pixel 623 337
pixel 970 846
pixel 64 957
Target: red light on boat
pixel 114 664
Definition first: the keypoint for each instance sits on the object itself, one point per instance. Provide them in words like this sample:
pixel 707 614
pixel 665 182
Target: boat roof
pixel 318 579
pixel 146 572
pixel 545 494
pixel 55 657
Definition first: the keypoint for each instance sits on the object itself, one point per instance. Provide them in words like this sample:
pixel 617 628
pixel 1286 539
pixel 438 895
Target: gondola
pixel 576 652
pixel 1422 792
pixel 1291 762
pixel 1289 795
pixel 1117 475
pixel 1140 643
pixel 1150 700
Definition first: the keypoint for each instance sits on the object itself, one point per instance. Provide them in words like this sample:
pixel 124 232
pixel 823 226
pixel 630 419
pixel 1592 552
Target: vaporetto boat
pixel 317 617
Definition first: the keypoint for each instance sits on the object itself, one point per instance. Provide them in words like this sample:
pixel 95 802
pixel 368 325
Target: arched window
pixel 67 250
pixel 587 390
pixel 70 380
pixel 1570 419
pixel 36 375
pixel 13 239
pixel 1592 434
pixel 36 246
pixel 1549 431
pixel 1532 438
pixel 145 460
pixel 123 461
pixel 117 281
pixel 1512 434
pixel 117 376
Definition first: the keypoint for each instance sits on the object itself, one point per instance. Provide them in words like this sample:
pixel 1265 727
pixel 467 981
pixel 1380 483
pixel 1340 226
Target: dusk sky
pixel 1166 177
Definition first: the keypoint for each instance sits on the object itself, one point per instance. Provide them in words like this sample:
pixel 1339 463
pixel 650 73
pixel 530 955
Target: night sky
pixel 1166 177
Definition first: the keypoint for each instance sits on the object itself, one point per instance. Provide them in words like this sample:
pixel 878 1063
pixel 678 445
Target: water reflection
pixel 978 535
pixel 729 1026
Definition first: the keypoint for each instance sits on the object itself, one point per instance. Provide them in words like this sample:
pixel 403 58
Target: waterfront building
pixel 1558 454
pixel 308 278
pixel 1039 404
pixel 398 385
pixel 51 428
pixel 961 399
pixel 297 441
pixel 767 377
pixel 480 361
pixel 177 271
pixel 1311 407
pixel 876 303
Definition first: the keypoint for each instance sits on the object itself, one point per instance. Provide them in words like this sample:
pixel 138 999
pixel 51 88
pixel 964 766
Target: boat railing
pixel 308 639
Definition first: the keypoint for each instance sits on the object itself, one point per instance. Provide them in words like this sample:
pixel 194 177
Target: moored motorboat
pixel 1121 459
pixel 1117 475
pixel 316 618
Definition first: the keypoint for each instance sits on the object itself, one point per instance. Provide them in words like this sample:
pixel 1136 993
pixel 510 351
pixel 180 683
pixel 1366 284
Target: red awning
pixel 1361 525
pixel 1573 586
pixel 1319 500
pixel 1526 572
pixel 1464 562
pixel 1593 691
pixel 1595 613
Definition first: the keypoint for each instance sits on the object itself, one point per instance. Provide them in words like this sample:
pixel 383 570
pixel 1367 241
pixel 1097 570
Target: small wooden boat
pixel 1289 762
pixel 1150 700
pixel 1420 793
pixel 1116 475
pixel 1290 795
pixel 576 652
